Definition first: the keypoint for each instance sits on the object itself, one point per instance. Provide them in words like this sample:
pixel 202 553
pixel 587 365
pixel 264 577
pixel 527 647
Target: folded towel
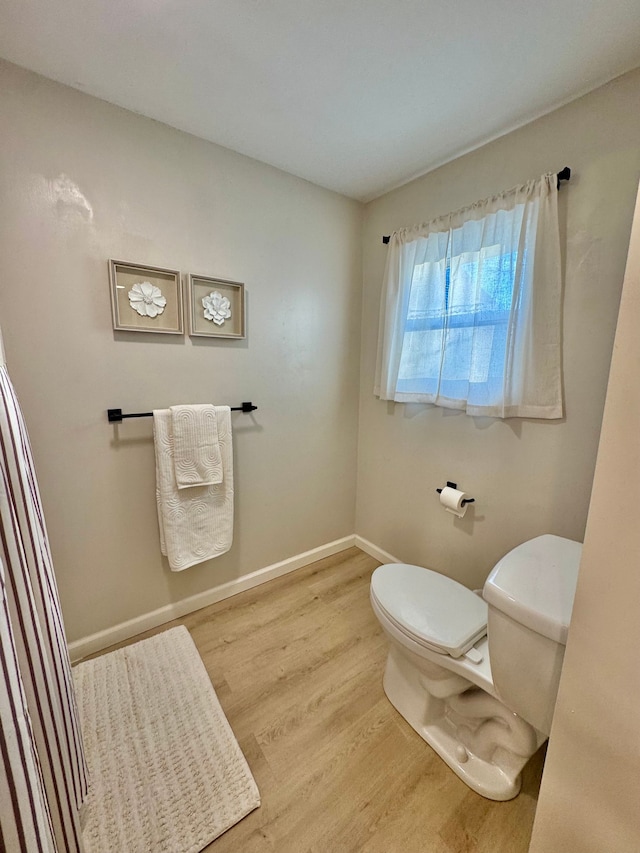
pixel 196 524
pixel 196 449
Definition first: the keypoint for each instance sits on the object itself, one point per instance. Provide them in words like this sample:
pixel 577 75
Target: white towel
pixel 196 524
pixel 196 449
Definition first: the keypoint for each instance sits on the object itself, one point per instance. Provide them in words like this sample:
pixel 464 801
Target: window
pixel 468 320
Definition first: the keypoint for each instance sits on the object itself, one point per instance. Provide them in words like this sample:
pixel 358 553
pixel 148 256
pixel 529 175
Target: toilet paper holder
pixel 455 486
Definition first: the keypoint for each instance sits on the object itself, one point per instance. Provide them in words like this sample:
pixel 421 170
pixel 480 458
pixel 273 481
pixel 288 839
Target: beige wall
pixel 527 477
pixel 82 181
pixel 591 784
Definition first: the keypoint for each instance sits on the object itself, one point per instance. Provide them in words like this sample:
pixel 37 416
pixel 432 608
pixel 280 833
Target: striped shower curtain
pixel 44 780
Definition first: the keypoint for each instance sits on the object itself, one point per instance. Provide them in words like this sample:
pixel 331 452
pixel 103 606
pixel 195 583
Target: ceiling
pixel 358 96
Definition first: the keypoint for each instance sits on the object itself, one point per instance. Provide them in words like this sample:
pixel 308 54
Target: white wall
pixel 591 784
pixel 528 477
pixel 82 181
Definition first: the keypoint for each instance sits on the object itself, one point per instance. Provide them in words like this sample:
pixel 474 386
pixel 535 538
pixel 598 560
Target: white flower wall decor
pixel 217 307
pixel 147 299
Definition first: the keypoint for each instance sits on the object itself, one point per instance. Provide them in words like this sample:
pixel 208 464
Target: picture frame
pixel 222 313
pixel 146 299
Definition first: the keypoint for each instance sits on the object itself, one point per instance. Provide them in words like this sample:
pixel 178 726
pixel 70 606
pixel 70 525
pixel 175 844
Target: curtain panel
pixel 470 313
pixel 44 780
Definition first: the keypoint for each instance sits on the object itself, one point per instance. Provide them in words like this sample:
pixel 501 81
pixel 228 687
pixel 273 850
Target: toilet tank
pixel 530 598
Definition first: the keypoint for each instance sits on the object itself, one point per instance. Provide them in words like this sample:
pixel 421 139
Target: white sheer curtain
pixel 470 315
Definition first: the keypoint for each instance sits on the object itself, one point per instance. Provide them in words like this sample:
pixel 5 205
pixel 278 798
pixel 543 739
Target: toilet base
pixel 481 740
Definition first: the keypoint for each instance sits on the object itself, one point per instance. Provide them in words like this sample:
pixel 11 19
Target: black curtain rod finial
pixel 563 175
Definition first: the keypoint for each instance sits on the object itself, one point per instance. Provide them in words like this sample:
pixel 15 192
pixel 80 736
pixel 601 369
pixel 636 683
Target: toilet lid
pixel 434 610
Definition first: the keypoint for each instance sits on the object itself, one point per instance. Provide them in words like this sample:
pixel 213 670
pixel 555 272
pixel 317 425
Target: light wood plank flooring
pixel 297 665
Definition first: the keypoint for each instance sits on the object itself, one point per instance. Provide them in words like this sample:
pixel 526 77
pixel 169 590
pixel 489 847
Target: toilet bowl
pixel 477 677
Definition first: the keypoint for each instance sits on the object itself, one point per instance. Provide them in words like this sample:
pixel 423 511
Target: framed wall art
pixel 216 308
pixel 146 299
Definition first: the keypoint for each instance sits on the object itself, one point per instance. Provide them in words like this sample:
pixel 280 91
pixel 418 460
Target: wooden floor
pixel 297 665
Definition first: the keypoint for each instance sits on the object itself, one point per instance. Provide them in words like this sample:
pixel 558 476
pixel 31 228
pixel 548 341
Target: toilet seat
pixel 432 609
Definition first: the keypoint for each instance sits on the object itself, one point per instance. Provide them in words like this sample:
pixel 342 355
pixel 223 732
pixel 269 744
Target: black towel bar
pixel 116 416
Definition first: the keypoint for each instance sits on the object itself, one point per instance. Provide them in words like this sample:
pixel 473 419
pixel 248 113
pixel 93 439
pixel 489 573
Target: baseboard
pixel 103 639
pixel 373 551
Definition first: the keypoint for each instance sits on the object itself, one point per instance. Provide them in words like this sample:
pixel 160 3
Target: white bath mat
pixel 166 772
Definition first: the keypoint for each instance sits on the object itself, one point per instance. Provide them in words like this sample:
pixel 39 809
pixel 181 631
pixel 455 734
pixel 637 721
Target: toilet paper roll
pixel 451 500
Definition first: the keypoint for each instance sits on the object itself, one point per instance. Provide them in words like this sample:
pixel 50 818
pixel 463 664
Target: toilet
pixel 477 677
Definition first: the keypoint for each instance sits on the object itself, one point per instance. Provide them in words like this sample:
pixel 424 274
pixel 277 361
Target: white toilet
pixel 484 703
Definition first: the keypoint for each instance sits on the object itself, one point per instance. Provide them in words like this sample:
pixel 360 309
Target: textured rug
pixel 166 772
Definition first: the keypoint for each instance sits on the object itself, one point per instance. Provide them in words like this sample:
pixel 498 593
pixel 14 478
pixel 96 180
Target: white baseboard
pixel 373 551
pixel 103 639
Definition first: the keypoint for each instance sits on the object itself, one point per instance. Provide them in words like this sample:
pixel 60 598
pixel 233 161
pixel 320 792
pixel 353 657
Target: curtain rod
pixel 115 416
pixel 563 175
